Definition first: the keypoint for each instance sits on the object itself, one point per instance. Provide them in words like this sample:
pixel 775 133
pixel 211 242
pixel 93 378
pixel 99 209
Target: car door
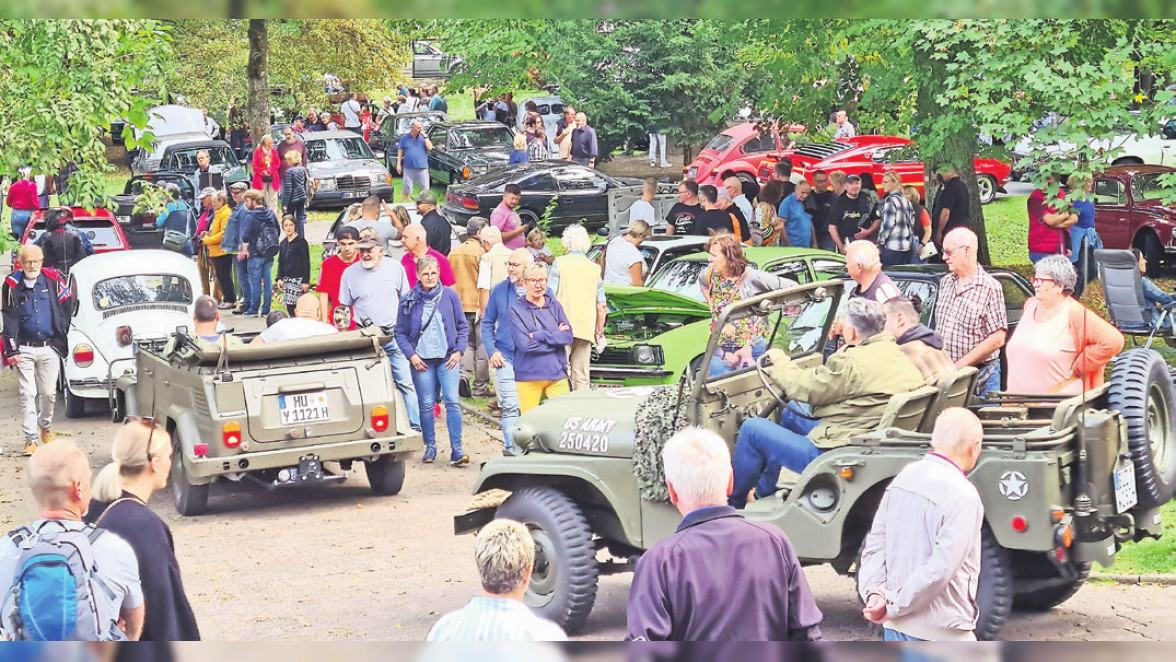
pixel 439 158
pixel 538 190
pixel 1112 214
pixel 426 61
pixel 1168 144
pixel 583 195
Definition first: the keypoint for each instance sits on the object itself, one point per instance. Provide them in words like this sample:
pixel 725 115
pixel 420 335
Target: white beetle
pixel 122 300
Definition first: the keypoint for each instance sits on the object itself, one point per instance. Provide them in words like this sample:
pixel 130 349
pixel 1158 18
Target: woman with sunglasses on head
pixel 1060 346
pixel 141 461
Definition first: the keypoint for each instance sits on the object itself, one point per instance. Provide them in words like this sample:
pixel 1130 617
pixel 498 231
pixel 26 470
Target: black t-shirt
pixel 819 204
pixel 682 216
pixel 953 197
pixel 850 215
pixel 744 228
pixel 437 232
pixel 712 221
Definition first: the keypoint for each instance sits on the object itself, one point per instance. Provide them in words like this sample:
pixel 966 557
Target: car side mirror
pixel 181 330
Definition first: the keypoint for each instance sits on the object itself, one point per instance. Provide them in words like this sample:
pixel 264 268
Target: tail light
pixel 200 450
pixel 1064 536
pixel 465 172
pixel 1020 524
pixel 83 356
pixel 469 203
pixel 231 434
pixel 124 336
pixel 379 418
pixel 389 179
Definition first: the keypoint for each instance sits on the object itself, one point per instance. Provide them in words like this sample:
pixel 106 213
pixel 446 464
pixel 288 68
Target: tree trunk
pixel 259 97
pixel 958 148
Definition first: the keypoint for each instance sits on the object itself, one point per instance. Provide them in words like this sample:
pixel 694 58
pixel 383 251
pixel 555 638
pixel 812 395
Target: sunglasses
pixel 150 423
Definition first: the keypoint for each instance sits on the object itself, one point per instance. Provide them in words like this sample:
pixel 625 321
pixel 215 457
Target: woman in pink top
pixel 1059 346
pixel 266 177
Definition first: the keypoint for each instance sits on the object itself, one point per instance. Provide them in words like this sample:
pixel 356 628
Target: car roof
pixel 201 141
pixel 764 254
pixel 326 135
pixel 471 124
pixel 80 213
pixel 1125 172
pixel 742 130
pixel 102 266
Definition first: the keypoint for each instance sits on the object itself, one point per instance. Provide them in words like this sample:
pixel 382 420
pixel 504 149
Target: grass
pixel 1150 557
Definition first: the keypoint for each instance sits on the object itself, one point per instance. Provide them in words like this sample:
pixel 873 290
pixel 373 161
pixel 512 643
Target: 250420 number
pixel 581 441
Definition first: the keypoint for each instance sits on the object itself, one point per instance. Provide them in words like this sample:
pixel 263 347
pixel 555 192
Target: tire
pixel 528 217
pixel 386 475
pixel 746 178
pixel 454 178
pixel 1034 567
pixel 563 586
pixel 987 186
pixel 1152 252
pixel 1141 390
pixel 75 407
pixel 189 499
pixel 994 592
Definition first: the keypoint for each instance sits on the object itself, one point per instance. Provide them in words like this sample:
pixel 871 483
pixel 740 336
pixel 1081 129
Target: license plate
pixel 355 194
pixel 123 219
pixel 605 385
pixel 302 408
pixel 1125 495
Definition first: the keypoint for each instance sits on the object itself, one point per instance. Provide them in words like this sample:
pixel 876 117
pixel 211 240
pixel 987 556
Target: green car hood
pixel 588 422
pixel 627 299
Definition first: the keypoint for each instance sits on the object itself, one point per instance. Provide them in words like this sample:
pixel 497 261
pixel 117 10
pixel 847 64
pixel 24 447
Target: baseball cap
pixel 853 178
pixel 426 198
pixel 238 186
pixel 207 191
pixel 366 243
pixel 347 232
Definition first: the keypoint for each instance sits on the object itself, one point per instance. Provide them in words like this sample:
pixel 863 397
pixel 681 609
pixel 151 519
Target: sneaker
pixel 430 454
pixel 458 458
pixel 512 451
pixel 463 388
pixel 47 435
pixel 666 165
pixel 30 447
pixel 240 311
pixel 226 306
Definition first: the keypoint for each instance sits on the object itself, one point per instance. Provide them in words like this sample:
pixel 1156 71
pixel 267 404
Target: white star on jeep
pixel 1013 485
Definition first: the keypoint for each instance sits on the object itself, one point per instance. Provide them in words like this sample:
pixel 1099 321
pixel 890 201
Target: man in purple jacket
pixel 719 577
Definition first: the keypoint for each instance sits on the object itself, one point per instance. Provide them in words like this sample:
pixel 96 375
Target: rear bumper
pixel 207 468
pixel 459 216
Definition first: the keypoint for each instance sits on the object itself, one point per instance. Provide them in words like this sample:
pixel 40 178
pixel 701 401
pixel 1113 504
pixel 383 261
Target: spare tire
pixel 1141 391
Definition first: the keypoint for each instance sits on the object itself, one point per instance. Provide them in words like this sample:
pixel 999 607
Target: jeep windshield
pixel 337 149
pixel 169 291
pixel 220 156
pixel 476 138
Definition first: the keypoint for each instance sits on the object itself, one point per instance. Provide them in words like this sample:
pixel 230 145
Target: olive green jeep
pixel 1064 480
pixel 272 413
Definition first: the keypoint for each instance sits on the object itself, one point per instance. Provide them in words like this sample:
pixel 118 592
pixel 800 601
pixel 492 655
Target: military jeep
pixel 273 413
pixel 1064 480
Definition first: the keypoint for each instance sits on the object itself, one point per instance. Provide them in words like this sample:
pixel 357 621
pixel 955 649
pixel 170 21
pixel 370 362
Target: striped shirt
pixel 495 619
pixel 968 316
pixel 898 223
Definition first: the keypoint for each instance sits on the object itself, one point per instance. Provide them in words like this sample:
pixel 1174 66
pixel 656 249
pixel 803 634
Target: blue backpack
pixel 53 595
pixel 268 233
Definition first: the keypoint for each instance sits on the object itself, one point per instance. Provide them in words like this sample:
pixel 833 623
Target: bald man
pixel 921 560
pixel 304 324
pixel 416 246
pixel 60 477
pixel 970 313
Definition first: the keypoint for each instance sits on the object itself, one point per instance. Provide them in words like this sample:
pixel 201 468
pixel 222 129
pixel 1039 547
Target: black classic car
pixel 384 140
pixel 580 194
pixel 140 233
pixel 464 150
pixel 180 156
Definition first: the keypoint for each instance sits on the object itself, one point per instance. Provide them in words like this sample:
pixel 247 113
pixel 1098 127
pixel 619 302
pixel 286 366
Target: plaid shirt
pixel 898 220
pixel 965 318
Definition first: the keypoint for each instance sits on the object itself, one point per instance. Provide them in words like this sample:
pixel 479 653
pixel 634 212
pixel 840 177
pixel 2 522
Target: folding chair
pixel 1123 289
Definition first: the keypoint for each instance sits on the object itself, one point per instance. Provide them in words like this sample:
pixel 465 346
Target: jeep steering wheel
pixel 760 367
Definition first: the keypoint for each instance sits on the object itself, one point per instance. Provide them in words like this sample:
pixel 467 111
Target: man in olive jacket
pixel 842 398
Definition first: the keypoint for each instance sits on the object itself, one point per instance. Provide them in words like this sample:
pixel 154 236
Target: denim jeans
pixel 763 447
pixel 20 220
pixel 1037 257
pixel 298 211
pixel 994 380
pixel 242 269
pixel 402 374
pixel 261 284
pixel 895 635
pixel 719 367
pixel 426 382
pixel 826 244
pixel 891 258
pixel 508 400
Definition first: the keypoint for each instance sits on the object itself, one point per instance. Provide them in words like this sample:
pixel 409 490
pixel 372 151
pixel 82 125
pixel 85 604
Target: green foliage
pixel 545 219
pixel 152 198
pixel 64 81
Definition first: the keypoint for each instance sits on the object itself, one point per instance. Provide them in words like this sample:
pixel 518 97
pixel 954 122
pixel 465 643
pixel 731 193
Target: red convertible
pixel 737 151
pixel 875 155
pixel 1128 212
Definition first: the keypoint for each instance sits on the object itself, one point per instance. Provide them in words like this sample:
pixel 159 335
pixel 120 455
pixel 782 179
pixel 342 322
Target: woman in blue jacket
pixel 541 334
pixel 432 331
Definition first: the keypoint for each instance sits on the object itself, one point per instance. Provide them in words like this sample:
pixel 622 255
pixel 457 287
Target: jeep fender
pixel 183 424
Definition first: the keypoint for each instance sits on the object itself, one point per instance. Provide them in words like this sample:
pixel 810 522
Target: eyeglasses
pixel 947 253
pixel 514 264
pixel 537 281
pixel 1038 280
pixel 150 423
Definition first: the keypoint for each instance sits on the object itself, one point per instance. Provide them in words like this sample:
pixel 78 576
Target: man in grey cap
pixel 231 243
pixel 437 231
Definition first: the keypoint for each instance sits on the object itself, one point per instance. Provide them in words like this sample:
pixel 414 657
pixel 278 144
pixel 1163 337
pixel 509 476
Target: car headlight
pixel 647 354
pixel 324 184
pixel 523 435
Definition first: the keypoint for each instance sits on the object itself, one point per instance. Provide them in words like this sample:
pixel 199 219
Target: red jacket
pixel 23 195
pixel 259 169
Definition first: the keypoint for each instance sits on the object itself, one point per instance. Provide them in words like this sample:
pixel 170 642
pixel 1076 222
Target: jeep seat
pixel 954 390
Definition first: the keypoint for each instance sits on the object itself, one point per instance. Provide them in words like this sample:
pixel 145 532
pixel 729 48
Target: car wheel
pixel 994 592
pixel 385 474
pixel 75 407
pixel 529 218
pixel 189 499
pixel 563 584
pixel 454 177
pixel 746 178
pixel 1141 390
pixel 1152 252
pixel 1040 584
pixel 987 186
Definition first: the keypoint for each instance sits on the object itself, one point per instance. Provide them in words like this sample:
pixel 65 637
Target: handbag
pixel 174 240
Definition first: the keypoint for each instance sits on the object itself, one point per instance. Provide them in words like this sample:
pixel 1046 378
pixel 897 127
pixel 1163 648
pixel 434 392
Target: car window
pixel 556 109
pixel 1147 186
pixel 681 277
pixel 720 142
pixel 439 136
pixel 574 179
pixel 921 293
pixel 825 268
pixel 99 231
pixel 124 291
pixel 221 156
pixel 337 149
pixel 421 48
pixel 404 124
pixel 476 138
pixel 797 327
pixel 542 181
pixel 1015 296
pixel 794 269
pixel 759 143
pixel 1109 192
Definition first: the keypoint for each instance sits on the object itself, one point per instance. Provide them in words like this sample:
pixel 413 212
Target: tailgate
pixel 315 403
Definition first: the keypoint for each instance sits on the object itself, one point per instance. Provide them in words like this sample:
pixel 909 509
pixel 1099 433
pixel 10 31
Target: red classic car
pixel 737 151
pixel 875 155
pixel 99 227
pixel 1128 212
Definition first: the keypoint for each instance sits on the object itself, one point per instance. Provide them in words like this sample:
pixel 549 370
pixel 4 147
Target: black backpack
pixel 266 245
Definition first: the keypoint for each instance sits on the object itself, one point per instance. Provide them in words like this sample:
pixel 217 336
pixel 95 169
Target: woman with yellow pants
pixel 541 334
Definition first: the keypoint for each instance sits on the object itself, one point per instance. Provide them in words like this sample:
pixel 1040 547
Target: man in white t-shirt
pixel 642 210
pixel 304 324
pixel 623 262
pixel 59 474
pixel 351 110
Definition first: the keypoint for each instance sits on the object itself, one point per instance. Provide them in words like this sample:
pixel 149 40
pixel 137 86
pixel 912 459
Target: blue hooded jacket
pixel 541 347
pixel 449 310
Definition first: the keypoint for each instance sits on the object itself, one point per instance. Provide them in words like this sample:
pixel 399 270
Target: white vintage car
pixel 122 301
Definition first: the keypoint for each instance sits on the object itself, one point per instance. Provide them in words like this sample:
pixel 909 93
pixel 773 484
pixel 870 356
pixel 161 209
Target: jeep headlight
pixel 647 354
pixel 523 435
pixel 324 184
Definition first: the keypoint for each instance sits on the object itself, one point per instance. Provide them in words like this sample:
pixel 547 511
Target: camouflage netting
pixel 661 415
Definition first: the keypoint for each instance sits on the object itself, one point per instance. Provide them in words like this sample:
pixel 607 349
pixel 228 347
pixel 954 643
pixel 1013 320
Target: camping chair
pixel 1123 289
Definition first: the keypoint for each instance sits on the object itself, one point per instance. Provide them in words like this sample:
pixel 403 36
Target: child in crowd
pixel 537 244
